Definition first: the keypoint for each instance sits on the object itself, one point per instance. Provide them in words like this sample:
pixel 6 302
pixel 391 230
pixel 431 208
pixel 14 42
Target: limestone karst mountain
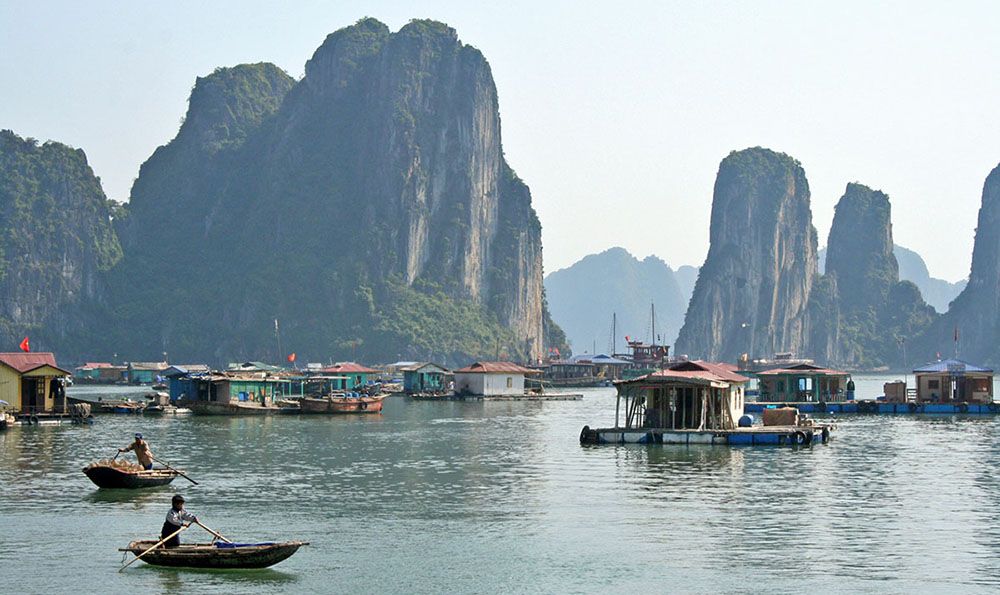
pixel 56 239
pixel 752 292
pixel 971 327
pixel 368 207
pixel 861 314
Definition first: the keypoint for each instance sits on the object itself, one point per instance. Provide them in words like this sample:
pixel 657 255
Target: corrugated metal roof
pixel 417 366
pixel 695 370
pixel 496 368
pixel 25 362
pixel 802 371
pixel 348 368
pixel 949 365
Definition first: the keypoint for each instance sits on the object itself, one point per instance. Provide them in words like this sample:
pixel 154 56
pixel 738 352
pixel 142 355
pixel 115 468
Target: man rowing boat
pixel 142 452
pixel 176 517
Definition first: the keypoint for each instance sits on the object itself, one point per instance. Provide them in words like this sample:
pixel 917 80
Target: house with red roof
pixel 491 379
pixel 690 395
pixel 32 382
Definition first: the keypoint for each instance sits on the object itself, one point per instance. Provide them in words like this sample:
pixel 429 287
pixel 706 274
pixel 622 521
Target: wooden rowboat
pixel 112 477
pixel 342 404
pixel 216 555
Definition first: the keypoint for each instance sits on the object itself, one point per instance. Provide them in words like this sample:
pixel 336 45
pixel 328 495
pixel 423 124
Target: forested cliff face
pixel 974 316
pixel 861 314
pixel 752 293
pixel 368 207
pixel 56 238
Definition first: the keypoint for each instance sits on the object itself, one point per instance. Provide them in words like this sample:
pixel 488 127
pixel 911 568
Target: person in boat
pixel 142 452
pixel 176 517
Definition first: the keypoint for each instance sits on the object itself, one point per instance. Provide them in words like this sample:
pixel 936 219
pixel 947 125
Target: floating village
pixel 660 400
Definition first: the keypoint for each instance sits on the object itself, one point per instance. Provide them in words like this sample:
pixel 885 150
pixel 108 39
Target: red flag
pixel 25 345
pixel 627 338
pixel 291 357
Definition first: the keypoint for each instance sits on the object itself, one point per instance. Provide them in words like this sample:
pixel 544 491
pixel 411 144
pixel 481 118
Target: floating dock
pixel 769 435
pixel 545 397
pixel 881 407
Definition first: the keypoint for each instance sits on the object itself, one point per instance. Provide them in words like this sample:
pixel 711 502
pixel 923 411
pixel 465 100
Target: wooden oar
pixel 181 473
pixel 213 532
pixel 158 544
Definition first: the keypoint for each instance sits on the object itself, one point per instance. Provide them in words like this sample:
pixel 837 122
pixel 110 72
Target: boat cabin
pixel 953 380
pixel 691 395
pixel 802 383
pixel 357 375
pixel 425 378
pixel 32 383
pixel 491 379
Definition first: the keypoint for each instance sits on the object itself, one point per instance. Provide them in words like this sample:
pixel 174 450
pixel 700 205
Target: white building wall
pixel 489 384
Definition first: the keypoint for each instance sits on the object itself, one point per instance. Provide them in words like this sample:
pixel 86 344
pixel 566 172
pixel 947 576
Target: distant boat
pixel 338 404
pixel 119 475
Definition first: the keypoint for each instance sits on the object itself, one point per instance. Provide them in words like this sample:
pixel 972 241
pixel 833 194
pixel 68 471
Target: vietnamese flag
pixel 25 345
pixel 291 358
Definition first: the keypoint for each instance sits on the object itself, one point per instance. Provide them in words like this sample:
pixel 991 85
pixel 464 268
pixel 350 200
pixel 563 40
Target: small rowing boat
pixel 216 555
pixel 121 475
pixel 342 404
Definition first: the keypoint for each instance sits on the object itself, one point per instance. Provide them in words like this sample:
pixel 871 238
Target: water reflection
pixel 472 495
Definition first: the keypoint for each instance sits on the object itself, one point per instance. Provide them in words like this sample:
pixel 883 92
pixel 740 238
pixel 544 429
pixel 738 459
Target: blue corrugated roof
pixel 949 365
pixel 598 359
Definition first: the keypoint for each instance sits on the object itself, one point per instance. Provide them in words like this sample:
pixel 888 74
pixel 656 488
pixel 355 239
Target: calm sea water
pixel 500 497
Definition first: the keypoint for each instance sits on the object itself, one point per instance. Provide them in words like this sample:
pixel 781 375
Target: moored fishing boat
pixel 343 403
pixel 122 475
pixel 236 408
pixel 216 555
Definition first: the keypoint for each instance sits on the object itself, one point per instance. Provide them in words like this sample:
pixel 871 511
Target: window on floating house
pixel 933 384
pixel 510 382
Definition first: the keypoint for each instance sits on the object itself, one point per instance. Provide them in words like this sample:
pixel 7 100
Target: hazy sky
pixel 615 113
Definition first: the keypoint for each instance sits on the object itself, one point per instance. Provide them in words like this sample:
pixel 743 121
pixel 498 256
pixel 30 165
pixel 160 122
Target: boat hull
pixel 210 408
pixel 881 407
pixel 210 556
pixel 111 478
pixel 758 435
pixel 338 405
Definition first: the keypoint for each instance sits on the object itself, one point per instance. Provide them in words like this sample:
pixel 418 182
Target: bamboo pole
pixel 212 531
pixel 156 545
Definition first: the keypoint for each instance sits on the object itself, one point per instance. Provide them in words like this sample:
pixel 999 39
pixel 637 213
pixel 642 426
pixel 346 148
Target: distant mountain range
pixel 936 292
pixel 583 297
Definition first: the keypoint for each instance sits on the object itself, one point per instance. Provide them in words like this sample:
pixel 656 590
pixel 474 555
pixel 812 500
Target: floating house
pixel 144 372
pixel 802 383
pixel 99 373
pixel 953 381
pixel 32 383
pixel 357 375
pixel 425 378
pixel 605 366
pixel 491 379
pixel 696 402
pixel 229 393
